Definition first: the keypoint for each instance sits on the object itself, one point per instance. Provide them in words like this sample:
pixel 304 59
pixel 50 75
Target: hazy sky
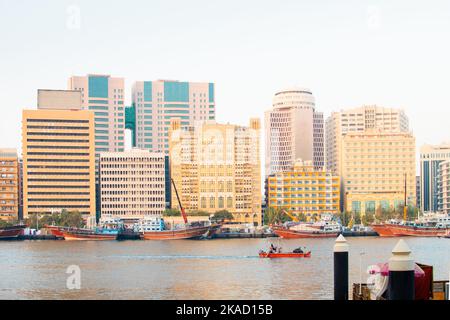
pixel 349 53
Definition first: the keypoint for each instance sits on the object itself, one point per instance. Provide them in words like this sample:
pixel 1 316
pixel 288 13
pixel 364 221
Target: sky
pixel 348 52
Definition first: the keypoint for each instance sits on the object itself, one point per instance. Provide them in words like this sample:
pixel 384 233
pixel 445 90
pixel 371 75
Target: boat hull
pixel 297 234
pixel 54 230
pixel 11 233
pixel 74 235
pixel 285 255
pixel 398 230
pixel 383 230
pixel 188 233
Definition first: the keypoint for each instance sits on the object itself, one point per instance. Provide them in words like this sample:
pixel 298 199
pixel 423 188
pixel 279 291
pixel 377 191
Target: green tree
pixel 172 213
pixel 198 213
pixel 302 217
pixel 275 216
pixel 222 215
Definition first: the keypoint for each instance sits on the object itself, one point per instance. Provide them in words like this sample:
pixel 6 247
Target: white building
pixel 156 102
pixel 293 130
pixel 132 184
pixel 431 156
pixel 105 96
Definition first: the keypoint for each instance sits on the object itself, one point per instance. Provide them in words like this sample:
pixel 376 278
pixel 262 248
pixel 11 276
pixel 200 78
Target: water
pixel 189 269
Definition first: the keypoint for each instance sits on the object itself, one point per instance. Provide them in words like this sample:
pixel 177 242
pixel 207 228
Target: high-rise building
pixel 443 187
pixel 217 167
pixel 304 190
pixel 430 158
pixel 104 95
pixel 9 185
pixel 359 120
pixel 58 155
pixel 155 103
pixel 132 184
pixel 294 130
pixel 375 164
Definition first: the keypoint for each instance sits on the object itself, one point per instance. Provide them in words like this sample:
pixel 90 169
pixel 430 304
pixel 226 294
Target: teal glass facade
pixel 176 91
pixel 98 86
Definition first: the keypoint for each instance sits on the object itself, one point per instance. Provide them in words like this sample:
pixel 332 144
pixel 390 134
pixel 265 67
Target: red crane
pixel 183 213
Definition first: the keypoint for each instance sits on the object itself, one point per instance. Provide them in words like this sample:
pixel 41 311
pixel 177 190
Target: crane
pixel 294 218
pixel 183 213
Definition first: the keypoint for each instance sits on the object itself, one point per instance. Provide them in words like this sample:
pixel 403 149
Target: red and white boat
pixel 55 230
pixel 284 255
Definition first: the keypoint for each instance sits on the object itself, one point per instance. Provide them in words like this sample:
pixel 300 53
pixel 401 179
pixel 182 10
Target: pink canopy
pixel 383 268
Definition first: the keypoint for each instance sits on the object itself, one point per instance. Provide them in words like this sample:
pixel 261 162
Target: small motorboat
pixel 275 252
pixel 264 254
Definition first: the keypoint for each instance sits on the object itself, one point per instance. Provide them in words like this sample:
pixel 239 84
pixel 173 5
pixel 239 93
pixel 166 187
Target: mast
pixel 183 213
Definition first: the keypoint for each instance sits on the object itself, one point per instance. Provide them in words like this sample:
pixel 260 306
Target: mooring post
pixel 401 273
pixel 341 269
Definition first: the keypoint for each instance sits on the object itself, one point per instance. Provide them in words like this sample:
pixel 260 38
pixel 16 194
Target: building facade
pixel 132 184
pixel 155 103
pixel 443 184
pixel 358 120
pixel 58 158
pixel 375 165
pixel 104 95
pixel 304 190
pixel 430 158
pixel 294 130
pixel 9 185
pixel 217 167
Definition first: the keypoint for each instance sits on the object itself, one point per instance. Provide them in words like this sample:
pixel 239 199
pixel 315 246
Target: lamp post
pixel 360 271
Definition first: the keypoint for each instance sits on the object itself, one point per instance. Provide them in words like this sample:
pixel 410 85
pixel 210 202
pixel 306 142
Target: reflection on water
pixel 188 269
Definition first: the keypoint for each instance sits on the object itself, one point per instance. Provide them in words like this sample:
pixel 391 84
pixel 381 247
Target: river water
pixel 190 269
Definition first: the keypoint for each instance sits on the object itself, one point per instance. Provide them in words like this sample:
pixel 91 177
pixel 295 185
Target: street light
pixel 360 271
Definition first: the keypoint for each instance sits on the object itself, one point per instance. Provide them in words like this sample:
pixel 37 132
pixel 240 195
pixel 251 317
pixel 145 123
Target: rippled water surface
pixel 189 269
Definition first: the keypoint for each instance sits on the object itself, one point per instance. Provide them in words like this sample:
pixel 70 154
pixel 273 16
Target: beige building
pixel 132 184
pixel 374 165
pixel 305 190
pixel 9 184
pixel 217 167
pixel 358 120
pixel 58 156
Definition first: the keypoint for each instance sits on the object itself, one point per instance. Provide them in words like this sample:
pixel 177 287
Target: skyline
pixel 340 54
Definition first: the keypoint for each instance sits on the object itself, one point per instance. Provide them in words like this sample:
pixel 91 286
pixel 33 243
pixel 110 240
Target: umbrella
pixel 383 269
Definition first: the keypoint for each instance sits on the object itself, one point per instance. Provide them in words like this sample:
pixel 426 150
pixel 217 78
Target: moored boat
pixel 108 229
pixel 430 225
pixel 154 228
pixel 11 232
pixel 305 230
pixel 55 230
